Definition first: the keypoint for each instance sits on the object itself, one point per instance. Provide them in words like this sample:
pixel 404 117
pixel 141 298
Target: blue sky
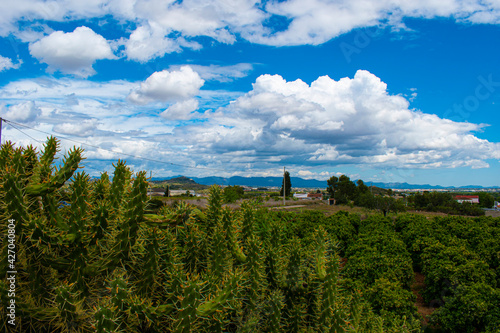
pixel 392 91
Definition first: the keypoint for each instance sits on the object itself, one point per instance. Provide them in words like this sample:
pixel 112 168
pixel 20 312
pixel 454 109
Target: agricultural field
pixel 106 261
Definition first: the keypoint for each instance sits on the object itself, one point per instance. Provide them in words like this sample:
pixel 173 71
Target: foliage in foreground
pixel 460 259
pixel 102 264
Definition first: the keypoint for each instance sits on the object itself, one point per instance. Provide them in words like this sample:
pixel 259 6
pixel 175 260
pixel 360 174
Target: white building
pixel 467 198
pixel 310 196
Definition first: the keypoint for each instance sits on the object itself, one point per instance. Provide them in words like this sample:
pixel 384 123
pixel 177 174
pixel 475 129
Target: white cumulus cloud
pixel 151 41
pixel 168 86
pixel 83 128
pixel 25 112
pixel 180 110
pixel 349 121
pixel 159 20
pixel 73 52
pixel 7 63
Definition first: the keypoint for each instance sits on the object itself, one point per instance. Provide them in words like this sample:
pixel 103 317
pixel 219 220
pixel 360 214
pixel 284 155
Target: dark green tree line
pixel 287 183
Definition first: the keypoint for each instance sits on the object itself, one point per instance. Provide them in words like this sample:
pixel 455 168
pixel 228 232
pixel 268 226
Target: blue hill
pixel 309 183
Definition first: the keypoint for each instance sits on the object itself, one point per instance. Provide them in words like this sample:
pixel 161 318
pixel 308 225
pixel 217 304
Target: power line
pixel 85 166
pixel 23 132
pixel 109 150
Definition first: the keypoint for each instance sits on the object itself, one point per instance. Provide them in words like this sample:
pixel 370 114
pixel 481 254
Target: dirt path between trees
pixel 422 308
pixel 288 207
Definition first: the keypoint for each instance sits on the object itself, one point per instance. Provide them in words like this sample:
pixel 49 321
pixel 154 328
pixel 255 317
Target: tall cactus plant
pixel 214 208
pixel 331 318
pixel 254 269
pixel 231 241
pixel 294 310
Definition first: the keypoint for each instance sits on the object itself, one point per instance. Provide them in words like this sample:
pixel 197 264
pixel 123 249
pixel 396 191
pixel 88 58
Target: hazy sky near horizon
pixel 391 90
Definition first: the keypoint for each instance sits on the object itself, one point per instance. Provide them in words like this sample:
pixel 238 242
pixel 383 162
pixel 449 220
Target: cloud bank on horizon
pixel 176 115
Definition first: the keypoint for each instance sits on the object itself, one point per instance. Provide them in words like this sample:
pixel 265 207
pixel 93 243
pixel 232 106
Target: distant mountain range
pixel 260 181
pixel 300 182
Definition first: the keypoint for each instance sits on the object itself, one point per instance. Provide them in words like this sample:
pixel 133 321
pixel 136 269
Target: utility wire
pixel 85 166
pixel 23 132
pixel 109 150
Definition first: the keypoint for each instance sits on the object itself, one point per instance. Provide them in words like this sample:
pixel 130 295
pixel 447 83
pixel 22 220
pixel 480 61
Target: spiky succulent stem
pixel 79 206
pixel 331 316
pixel 6 154
pixel 99 222
pixel 101 188
pixel 194 249
pixel 45 182
pixel 273 253
pixel 231 241
pixel 186 316
pixel 293 291
pixel 248 221
pixel 105 320
pixel 78 230
pixel 120 177
pixel 15 204
pixel 275 306
pixel 119 292
pixel 253 266
pixel 214 209
pixel 66 303
pixel 151 264
pixel 133 215
pixel 221 299
pixel 219 255
pixel 44 168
